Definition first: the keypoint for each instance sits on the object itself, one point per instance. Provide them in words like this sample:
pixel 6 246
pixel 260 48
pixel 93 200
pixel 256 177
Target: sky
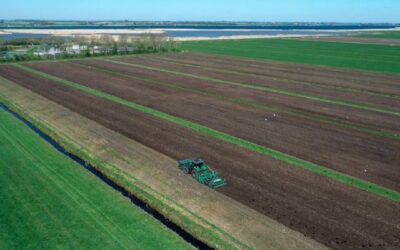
pixel 374 11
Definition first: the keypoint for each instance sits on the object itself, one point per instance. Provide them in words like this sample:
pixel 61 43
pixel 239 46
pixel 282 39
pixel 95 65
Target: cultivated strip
pixel 294 161
pixel 361 106
pixel 251 103
pixel 342 74
pixel 306 83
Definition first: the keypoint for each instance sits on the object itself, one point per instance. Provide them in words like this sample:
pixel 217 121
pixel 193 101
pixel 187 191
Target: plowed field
pixel 344 121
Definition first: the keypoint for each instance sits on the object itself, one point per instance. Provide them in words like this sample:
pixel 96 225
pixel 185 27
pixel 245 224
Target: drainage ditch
pixel 135 200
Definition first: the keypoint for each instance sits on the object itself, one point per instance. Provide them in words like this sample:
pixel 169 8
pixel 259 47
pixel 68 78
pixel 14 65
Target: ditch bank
pixel 134 199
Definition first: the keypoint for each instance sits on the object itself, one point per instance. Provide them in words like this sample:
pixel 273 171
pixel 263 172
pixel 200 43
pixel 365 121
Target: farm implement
pixel 201 172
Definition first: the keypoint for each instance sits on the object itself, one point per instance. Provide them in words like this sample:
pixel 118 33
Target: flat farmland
pixel 313 148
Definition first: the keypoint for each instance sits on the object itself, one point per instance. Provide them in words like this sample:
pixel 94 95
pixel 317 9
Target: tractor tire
pixel 185 170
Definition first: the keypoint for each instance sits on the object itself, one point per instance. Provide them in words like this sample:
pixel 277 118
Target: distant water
pixel 209 33
pixel 214 31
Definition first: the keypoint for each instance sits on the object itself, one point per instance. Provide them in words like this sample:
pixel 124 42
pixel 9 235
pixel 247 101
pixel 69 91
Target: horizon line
pixel 186 21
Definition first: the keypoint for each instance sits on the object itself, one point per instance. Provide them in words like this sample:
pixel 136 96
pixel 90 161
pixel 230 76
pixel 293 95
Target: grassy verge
pixel 345 103
pixel 379 58
pixel 294 161
pixel 49 201
pixel 250 103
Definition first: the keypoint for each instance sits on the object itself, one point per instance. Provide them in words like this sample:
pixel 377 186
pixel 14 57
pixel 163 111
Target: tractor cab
pixel 198 163
pixel 201 172
pixel 199 167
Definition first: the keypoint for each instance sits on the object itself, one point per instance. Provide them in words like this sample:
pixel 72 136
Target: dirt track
pixel 333 214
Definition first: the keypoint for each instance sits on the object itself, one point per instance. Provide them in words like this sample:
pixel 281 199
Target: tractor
pixel 201 172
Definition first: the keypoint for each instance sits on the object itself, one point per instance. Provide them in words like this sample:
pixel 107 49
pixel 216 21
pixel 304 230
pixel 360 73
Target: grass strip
pixel 294 161
pixel 323 99
pixel 250 103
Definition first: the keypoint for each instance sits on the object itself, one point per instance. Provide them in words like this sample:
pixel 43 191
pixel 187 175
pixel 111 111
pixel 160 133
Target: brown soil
pixel 297 72
pixel 373 119
pixel 384 122
pixel 290 135
pixel 282 73
pixel 274 82
pixel 334 214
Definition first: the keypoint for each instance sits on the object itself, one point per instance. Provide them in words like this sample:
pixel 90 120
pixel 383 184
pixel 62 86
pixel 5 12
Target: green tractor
pixel 201 172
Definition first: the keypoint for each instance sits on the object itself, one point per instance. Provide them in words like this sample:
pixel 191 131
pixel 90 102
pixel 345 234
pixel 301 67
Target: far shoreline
pixel 118 32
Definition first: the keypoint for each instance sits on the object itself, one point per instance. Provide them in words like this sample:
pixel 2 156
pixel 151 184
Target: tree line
pixel 24 49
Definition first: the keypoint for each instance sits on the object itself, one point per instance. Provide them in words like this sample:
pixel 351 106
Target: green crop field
pixel 379 58
pixel 48 201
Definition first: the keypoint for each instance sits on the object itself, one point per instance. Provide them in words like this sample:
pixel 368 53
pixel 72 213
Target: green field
pixel 49 201
pixel 381 34
pixel 380 58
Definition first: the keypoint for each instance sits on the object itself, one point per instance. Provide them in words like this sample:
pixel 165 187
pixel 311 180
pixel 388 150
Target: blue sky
pixel 205 10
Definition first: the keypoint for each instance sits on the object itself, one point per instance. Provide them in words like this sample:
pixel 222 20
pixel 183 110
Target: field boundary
pixel 294 161
pixel 249 103
pixel 323 99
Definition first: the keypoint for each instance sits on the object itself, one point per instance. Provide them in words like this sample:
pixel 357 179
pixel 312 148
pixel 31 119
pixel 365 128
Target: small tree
pixel 115 49
pixel 88 54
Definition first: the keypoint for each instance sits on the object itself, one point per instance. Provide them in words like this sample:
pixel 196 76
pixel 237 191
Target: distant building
pixel 47 50
pixel 76 49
